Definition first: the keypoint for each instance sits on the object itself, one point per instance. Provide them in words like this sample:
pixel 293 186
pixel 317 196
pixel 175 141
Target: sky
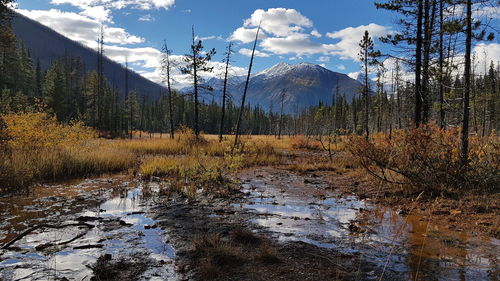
pixel 325 32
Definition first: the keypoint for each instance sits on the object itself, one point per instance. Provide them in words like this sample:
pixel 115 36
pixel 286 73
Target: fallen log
pixel 31 229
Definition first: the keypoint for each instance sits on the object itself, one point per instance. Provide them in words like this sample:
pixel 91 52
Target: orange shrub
pixel 303 142
pixel 428 158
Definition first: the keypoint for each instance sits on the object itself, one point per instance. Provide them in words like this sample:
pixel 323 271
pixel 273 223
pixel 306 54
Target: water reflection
pixel 410 245
pixel 121 229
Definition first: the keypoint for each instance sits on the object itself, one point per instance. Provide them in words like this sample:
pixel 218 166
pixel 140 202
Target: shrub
pixel 428 158
pixel 38 130
pixel 36 147
pixel 303 142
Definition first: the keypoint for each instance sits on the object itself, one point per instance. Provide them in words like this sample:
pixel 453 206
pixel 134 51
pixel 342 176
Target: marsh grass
pixel 267 254
pixel 35 147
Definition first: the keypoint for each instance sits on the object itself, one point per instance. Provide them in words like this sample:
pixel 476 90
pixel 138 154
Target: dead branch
pixel 31 229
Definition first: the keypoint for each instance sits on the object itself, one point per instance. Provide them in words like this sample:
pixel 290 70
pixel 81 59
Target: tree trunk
pixel 281 114
pixel 224 93
pixel 367 105
pixel 170 104
pixel 430 14
pixel 441 62
pixel 418 66
pixel 465 121
pixel 195 84
pixel 240 115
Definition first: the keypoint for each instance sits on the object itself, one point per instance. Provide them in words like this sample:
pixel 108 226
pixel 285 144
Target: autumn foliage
pixel 427 158
pixel 35 147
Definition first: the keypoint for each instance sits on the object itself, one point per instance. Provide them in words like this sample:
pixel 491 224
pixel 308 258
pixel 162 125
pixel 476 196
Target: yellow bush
pixel 39 148
pixel 38 130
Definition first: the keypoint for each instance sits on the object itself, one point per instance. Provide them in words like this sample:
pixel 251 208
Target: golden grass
pixel 38 148
pixel 24 167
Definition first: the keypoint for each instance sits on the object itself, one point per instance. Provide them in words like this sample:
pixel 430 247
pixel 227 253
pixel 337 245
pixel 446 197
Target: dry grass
pixel 35 147
pixel 267 254
pixel 38 148
pixel 303 142
pixel 215 255
pixel 244 236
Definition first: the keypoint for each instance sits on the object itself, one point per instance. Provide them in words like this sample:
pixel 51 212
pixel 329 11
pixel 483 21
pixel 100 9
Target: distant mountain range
pixel 303 85
pixel 47 45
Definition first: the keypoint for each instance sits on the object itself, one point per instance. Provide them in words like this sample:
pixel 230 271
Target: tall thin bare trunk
pixel 418 66
pixel 242 108
pixel 224 93
pixel 467 71
pixel 441 62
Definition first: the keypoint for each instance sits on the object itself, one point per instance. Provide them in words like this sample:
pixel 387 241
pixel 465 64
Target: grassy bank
pixel 35 147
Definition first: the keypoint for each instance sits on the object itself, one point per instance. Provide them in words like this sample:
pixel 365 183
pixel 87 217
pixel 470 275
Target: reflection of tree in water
pixel 434 252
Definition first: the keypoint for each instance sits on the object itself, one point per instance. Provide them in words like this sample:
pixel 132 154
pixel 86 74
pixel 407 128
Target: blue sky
pixel 324 32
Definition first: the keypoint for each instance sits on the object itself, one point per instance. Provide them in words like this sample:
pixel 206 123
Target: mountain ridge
pixel 305 84
pixel 47 45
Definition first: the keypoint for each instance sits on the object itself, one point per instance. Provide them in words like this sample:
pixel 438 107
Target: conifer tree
pixel 196 62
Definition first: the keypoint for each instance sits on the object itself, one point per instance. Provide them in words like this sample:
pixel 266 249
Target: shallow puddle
pixel 117 226
pixel 410 245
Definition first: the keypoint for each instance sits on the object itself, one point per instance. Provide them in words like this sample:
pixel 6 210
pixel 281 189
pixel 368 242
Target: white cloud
pixel 298 43
pixel 248 53
pixel 486 53
pixel 211 37
pixel 323 59
pixel 341 67
pixel 348 47
pixel 316 34
pixel 101 9
pixel 246 35
pixel 100 13
pixel 288 32
pixel 148 18
pixel 354 75
pixel 80 28
pixel 119 4
pixel 279 21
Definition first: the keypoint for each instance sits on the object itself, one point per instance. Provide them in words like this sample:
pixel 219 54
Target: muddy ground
pixel 276 224
pixel 474 213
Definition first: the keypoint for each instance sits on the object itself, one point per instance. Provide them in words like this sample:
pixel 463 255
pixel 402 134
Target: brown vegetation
pixel 428 159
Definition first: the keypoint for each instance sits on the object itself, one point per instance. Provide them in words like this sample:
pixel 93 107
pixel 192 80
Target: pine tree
pixel 367 56
pixel 197 62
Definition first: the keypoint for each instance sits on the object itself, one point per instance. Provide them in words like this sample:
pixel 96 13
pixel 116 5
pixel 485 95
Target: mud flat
pixel 307 208
pixel 274 225
pixel 96 227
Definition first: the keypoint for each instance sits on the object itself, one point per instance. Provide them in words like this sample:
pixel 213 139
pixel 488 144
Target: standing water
pixel 300 210
pixel 92 227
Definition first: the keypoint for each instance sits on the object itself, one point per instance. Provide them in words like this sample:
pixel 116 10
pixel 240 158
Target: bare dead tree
pixel 468 47
pixel 240 115
pixel 224 92
pixel 166 69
